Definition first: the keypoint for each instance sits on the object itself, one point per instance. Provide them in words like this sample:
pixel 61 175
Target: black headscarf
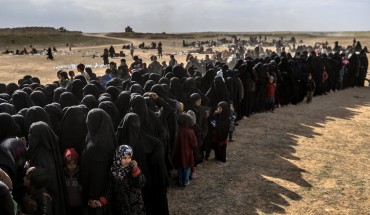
pixel 136 88
pixel 39 98
pixel 145 77
pixel 73 128
pixel 137 77
pixel 7 108
pixel 123 103
pixel 43 151
pixel 21 100
pixel 27 89
pixel 112 111
pixel 8 127
pixel 98 85
pixel 57 92
pixel 67 99
pixel 11 88
pixel 179 72
pixel 76 89
pixel 35 114
pixel 190 87
pixel 169 75
pixel 81 78
pixel 23 112
pixel 164 80
pixel 91 89
pixel 128 132
pixel 5 96
pixel 176 89
pixel 207 79
pixel 155 77
pixel 218 92
pixel 113 92
pixel 49 92
pixel 148 85
pixel 19 119
pixel 54 111
pixel 90 102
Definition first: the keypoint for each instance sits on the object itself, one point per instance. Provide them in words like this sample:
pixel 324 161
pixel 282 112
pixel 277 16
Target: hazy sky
pixel 188 15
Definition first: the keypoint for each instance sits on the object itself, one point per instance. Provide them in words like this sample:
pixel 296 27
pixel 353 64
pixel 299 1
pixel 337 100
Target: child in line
pixel 220 123
pixel 270 94
pixel 124 188
pixel 37 200
pixel 71 173
pixel 186 143
pixel 310 87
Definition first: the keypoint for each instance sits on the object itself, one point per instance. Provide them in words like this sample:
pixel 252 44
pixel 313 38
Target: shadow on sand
pixel 264 148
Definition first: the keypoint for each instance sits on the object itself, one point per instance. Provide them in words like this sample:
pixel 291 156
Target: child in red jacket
pixel 186 143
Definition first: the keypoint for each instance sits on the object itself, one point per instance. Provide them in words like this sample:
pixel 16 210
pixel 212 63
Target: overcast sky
pixel 188 15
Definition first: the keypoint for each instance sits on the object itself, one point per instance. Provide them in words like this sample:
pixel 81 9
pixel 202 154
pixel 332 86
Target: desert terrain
pixel 302 159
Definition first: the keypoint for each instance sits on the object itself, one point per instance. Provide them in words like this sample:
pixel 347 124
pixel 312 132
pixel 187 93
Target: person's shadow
pixel 261 158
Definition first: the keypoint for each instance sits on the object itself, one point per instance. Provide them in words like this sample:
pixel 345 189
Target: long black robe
pixel 43 151
pixel 54 111
pixel 97 158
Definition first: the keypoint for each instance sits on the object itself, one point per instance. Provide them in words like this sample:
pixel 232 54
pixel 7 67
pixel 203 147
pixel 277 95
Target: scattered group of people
pixel 109 145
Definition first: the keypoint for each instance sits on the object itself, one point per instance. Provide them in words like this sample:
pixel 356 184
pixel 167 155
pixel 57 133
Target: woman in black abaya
pixel 96 160
pixel 43 151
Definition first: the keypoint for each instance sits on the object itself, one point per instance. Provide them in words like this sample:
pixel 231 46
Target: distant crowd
pixel 86 144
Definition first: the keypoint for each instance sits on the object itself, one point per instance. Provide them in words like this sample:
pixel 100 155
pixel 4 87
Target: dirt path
pixel 304 159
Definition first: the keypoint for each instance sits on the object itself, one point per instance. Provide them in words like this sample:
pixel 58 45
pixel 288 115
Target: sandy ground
pixel 303 159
